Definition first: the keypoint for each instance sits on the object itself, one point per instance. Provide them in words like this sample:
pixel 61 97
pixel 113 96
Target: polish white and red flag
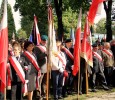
pixel 94 9
pixel 77 45
pixel 3 47
pixel 86 46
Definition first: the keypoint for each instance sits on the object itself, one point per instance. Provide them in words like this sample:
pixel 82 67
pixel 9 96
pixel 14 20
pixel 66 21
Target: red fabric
pixel 93 9
pixel 68 53
pixel 65 73
pixel 86 48
pixel 8 76
pixel 77 47
pixel 3 48
pixel 33 61
pixel 19 71
pixel 37 31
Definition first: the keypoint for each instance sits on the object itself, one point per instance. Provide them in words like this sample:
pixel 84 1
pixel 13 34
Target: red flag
pixel 93 10
pixel 86 48
pixel 3 47
pixel 77 46
pixel 35 35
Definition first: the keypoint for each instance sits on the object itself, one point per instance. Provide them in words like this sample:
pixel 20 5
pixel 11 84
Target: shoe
pixel 60 97
pixel 93 90
pixel 106 88
pixel 65 95
pixel 80 93
pixel 69 93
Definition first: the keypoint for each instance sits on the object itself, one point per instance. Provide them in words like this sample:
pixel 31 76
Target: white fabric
pixel 56 63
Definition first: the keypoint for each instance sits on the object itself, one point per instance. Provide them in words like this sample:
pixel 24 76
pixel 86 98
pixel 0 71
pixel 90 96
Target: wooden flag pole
pixel 86 65
pixel 47 88
pixel 78 84
pixel 78 79
pixel 5 94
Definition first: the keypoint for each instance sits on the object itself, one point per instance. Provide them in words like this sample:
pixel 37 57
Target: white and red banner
pixel 77 45
pixel 32 60
pixel 18 68
pixel 108 52
pixel 95 8
pixel 98 56
pixel 86 46
pixel 3 47
pixel 68 53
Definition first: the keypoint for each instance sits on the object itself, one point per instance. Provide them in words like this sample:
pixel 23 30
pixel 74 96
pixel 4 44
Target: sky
pixel 17 16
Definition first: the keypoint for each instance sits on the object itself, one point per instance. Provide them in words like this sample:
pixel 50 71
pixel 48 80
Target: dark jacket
pixel 97 64
pixel 40 56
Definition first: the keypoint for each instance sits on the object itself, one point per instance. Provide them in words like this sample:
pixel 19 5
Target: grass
pixel 99 93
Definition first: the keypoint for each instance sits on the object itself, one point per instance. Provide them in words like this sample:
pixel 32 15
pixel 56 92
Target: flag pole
pixel 78 80
pixel 5 93
pixel 48 50
pixel 86 65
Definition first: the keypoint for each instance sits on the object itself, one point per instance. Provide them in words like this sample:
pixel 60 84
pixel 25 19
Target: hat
pixel 68 40
pixel 44 37
pixel 95 45
pixel 26 44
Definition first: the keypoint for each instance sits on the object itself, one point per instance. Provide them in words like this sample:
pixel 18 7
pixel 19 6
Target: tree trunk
pixel 108 7
pixel 58 7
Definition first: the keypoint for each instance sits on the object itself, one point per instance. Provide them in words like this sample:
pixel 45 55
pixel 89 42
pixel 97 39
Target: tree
pixel 108 8
pixel 11 24
pixel 100 26
pixel 26 25
pixel 28 8
pixel 21 34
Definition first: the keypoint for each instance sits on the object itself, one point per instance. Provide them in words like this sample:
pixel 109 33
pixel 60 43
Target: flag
pixel 50 35
pixel 72 36
pixel 86 46
pixel 94 9
pixel 77 46
pixel 3 47
pixel 35 35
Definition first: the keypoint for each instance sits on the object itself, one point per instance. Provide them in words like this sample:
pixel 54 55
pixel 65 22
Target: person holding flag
pixel 68 51
pixel 58 71
pixel 41 54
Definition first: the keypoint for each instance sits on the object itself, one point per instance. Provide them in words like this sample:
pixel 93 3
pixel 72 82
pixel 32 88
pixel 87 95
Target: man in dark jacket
pixel 98 68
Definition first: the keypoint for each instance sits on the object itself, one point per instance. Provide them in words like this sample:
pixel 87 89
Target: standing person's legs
pixel 93 82
pixel 43 85
pixel 108 75
pixel 19 95
pixel 55 76
pixel 13 91
pixel 30 95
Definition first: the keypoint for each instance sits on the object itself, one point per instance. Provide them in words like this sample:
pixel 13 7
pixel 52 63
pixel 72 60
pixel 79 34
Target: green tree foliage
pixel 11 25
pixel 100 26
pixel 26 25
pixel 28 8
pixel 21 34
pixel 113 28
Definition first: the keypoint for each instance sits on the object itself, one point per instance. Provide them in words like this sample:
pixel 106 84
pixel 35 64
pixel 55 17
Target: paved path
pixel 107 96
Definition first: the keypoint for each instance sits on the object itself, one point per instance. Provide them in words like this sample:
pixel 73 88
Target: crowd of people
pixel 27 70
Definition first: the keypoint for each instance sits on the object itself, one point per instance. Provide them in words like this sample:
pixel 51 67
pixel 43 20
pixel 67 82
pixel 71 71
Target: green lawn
pixel 89 95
